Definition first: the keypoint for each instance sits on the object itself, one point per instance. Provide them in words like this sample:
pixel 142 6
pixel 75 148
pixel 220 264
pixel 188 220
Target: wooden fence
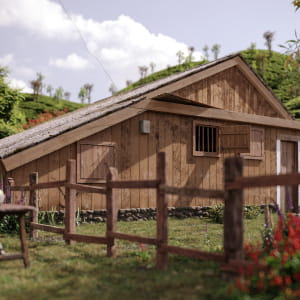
pixel 234 183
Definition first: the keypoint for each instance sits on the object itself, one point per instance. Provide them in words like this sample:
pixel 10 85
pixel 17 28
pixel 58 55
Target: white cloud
pixel 42 17
pixel 72 61
pixel 122 44
pixel 125 44
pixel 6 60
pixel 19 84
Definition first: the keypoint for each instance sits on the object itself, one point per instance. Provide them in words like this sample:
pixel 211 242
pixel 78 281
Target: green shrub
pixel 251 212
pixel 216 213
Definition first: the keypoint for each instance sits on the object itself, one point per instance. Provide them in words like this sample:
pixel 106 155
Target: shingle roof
pixel 72 120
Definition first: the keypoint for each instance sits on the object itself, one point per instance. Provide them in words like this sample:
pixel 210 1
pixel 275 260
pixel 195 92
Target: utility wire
pixel 85 43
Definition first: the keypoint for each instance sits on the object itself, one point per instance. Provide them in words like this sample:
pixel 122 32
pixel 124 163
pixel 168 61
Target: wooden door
pixel 289 164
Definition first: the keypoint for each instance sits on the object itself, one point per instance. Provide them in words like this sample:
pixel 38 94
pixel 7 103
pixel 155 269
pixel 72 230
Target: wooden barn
pixel 198 117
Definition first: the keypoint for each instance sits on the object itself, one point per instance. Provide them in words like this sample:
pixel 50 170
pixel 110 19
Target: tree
pixel 180 56
pixel 296 3
pixel 88 88
pixel 143 71
pixel 113 89
pixel 37 85
pixel 205 50
pixel 292 64
pixel 82 95
pixel 215 49
pixel 11 117
pixel 128 82
pixel 152 67
pixel 190 57
pixel 67 95
pixel 49 90
pixel 59 92
pixel 269 36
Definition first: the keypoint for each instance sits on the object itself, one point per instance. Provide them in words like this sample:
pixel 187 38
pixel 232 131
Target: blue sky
pixel 38 36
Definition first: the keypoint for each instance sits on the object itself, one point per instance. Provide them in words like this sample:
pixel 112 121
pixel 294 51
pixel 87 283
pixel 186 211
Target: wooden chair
pixel 20 211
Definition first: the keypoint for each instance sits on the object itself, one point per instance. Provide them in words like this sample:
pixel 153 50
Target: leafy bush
pixel 251 212
pixel 216 213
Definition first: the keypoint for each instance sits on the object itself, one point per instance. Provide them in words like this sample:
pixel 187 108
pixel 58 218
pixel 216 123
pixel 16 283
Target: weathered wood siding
pixel 229 90
pixel 136 159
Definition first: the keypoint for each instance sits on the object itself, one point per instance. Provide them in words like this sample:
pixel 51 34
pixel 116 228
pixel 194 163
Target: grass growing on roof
pixel 83 271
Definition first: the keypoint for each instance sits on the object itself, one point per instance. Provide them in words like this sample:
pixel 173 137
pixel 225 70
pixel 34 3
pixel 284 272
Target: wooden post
pixel 233 211
pixel 161 214
pixel 8 193
pixel 70 209
pixel 23 240
pixel 33 201
pixel 112 201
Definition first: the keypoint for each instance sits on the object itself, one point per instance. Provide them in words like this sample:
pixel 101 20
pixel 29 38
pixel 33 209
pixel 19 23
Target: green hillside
pixel 32 108
pixel 284 84
pixel 163 73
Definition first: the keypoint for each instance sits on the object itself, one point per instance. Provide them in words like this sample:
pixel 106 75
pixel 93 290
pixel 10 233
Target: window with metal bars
pixel 205 140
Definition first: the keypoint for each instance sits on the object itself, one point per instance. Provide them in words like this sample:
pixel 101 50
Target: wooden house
pixel 198 117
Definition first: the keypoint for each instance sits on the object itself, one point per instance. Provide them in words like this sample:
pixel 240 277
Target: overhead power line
pixel 85 43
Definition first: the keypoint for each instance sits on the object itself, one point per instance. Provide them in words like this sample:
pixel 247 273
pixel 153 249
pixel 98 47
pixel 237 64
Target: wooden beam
pixel 70 199
pixel 86 188
pixel 112 202
pixel 233 237
pixel 48 228
pixel 133 184
pixel 11 256
pixel 85 238
pixel 134 238
pixel 262 181
pixel 192 192
pixel 34 201
pixel 218 114
pixel 161 214
pixel 194 253
pixel 60 141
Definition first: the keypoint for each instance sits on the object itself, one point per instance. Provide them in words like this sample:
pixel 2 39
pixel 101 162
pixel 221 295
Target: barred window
pixel 205 140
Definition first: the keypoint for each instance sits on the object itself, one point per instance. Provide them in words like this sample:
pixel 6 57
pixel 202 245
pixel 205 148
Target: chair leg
pixel 24 241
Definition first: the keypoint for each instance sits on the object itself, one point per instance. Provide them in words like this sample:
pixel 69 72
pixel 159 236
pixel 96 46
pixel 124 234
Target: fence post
pixel 33 201
pixel 8 193
pixel 70 199
pixel 161 214
pixel 233 211
pixel 112 201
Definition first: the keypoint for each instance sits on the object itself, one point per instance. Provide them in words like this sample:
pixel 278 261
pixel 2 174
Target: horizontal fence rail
pixel 264 181
pixel 134 238
pixel 133 184
pixel 192 192
pixel 232 257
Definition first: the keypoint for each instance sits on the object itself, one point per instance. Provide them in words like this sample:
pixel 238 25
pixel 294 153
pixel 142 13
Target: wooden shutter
pixel 235 137
pixel 93 162
pixel 257 142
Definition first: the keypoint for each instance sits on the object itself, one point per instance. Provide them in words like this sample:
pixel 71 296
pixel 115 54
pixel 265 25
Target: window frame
pixel 210 125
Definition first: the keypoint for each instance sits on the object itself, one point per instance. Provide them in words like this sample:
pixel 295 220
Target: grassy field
pixel 83 271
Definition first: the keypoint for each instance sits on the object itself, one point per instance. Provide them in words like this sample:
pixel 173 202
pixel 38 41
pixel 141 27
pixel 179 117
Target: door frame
pixel 285 138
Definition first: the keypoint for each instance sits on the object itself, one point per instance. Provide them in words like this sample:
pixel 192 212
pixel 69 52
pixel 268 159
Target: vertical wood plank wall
pixel 228 90
pixel 136 158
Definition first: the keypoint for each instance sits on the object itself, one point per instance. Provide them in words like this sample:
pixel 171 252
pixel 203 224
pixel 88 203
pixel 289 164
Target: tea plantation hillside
pixel 32 108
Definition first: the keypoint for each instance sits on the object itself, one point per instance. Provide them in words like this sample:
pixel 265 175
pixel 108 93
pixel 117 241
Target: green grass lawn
pixel 83 271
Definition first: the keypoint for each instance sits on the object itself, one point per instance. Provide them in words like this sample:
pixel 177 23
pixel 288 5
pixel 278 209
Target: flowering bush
pixel 274 269
pixel 45 116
